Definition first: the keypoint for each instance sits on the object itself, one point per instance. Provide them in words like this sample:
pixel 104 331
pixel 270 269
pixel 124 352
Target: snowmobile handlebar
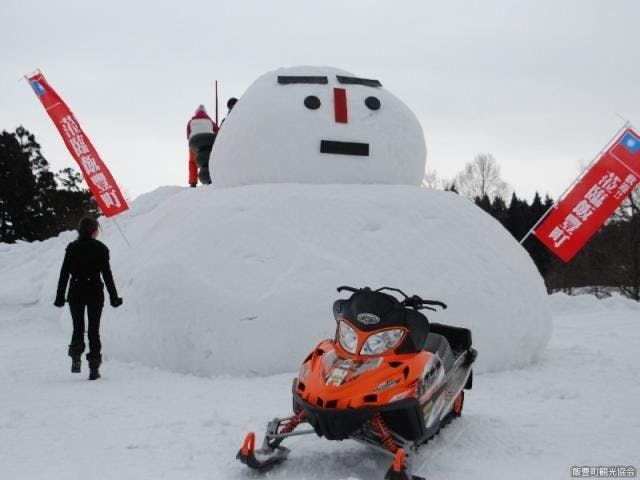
pixel 418 303
pixel 413 301
pixel 349 289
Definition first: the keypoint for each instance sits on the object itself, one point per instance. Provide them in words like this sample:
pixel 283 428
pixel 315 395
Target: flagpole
pixel 217 103
pixel 626 125
pixel 121 232
pixel 623 118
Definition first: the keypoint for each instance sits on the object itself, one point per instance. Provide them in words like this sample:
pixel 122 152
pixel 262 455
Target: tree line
pixel 610 261
pixel 36 203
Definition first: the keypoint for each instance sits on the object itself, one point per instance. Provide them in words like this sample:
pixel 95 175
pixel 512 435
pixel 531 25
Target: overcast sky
pixel 536 83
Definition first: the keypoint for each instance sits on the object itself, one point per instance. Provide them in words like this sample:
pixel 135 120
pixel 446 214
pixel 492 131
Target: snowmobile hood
pixel 329 380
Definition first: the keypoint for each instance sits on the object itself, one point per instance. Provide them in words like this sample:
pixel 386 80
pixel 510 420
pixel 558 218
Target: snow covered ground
pixel 577 406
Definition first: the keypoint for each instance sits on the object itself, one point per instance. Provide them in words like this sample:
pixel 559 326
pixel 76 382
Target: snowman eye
pixel 372 102
pixel 312 102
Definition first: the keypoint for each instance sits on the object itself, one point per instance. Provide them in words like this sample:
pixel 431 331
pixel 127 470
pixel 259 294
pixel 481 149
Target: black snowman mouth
pixel 344 148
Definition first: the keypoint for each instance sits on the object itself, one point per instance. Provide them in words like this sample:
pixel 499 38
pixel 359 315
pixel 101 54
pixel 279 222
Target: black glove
pixel 116 302
pixel 59 302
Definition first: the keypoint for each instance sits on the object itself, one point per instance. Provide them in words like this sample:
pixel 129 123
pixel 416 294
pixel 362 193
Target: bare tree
pixel 432 180
pixel 482 177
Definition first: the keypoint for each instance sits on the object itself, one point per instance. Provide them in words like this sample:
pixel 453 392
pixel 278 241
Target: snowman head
pixel 318 125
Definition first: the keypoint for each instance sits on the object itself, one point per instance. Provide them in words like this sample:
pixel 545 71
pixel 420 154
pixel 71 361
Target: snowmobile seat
pixel 459 338
pixel 438 344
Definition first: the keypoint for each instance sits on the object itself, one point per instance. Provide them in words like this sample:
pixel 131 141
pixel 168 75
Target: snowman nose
pixel 340 104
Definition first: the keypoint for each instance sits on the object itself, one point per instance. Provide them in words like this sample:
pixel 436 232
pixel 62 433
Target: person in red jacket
pixel 201 133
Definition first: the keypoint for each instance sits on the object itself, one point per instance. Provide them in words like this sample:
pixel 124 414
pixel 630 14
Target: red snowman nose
pixel 340 104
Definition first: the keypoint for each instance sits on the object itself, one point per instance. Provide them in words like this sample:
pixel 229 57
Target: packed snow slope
pixel 242 280
pixel 576 407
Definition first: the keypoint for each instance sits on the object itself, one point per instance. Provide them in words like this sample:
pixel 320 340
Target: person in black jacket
pixel 84 261
pixel 230 104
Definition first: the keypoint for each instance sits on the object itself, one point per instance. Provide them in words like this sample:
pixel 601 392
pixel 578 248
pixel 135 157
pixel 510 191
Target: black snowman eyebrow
pixel 358 81
pixel 288 80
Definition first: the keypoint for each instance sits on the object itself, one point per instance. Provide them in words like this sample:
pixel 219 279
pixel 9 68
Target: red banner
pixel 593 199
pixel 96 174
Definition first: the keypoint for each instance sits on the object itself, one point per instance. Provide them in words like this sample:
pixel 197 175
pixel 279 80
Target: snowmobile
pixel 388 379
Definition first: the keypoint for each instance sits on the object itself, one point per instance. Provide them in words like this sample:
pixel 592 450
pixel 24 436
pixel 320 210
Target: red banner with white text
pixel 593 199
pixel 97 175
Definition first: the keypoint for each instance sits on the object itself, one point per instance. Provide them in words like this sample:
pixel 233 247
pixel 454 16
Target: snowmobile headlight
pixel 348 337
pixel 380 342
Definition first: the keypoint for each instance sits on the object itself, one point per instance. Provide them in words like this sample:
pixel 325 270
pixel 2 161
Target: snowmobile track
pixel 444 422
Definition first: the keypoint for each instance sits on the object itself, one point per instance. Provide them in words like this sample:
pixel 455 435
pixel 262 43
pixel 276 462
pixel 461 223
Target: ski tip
pixel 248 447
pixel 398 461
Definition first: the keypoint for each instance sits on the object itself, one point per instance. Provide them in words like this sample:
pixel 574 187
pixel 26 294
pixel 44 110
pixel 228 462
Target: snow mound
pixel 242 280
pixel 271 136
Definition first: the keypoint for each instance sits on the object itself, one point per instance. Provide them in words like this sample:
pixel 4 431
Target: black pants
pixel 201 144
pixel 94 311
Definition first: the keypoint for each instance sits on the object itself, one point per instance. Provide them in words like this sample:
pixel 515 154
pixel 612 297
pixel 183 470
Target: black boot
pixel 75 364
pixel 204 176
pixel 95 360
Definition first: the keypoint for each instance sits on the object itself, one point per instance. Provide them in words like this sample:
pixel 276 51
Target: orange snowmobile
pixel 388 379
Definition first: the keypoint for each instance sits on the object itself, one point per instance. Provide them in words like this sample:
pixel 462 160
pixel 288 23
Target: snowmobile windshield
pixel 349 369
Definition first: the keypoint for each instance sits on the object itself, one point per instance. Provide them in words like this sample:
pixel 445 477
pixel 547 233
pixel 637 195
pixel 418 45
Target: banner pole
pixel 626 125
pixel 217 103
pixel 623 118
pixel 121 232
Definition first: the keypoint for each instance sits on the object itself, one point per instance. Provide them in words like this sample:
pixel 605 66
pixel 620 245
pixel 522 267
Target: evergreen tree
pixel 451 188
pixel 484 203
pixel 536 210
pixel 18 205
pixel 516 221
pixel 45 185
pixel 32 205
pixel 72 202
pixel 499 210
pixel 541 256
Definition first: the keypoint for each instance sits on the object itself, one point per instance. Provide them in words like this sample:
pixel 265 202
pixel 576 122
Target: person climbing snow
pixel 85 260
pixel 201 133
pixel 230 104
